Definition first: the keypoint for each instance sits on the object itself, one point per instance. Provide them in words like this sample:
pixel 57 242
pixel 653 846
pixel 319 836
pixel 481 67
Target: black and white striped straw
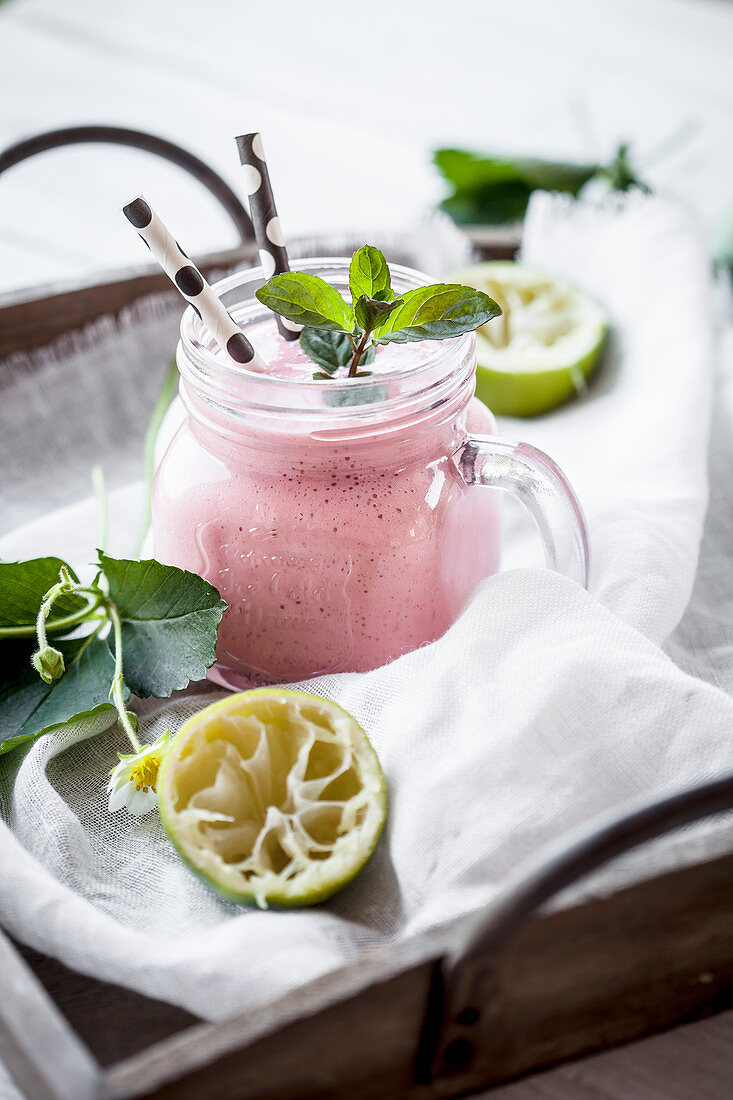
pixel 270 240
pixel 192 285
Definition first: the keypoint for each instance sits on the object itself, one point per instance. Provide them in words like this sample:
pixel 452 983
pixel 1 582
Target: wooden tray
pixel 479 1003
pixel 444 1014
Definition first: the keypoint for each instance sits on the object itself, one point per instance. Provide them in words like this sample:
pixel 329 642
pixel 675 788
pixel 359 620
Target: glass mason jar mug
pixel 344 522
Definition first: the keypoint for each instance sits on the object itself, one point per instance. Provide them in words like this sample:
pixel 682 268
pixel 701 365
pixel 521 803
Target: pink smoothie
pixel 333 555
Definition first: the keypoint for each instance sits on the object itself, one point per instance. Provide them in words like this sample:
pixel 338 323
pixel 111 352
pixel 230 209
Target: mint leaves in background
pixel 339 333
pixel 166 619
pixel 491 189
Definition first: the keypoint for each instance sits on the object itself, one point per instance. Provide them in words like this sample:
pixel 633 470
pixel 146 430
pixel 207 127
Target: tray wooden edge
pixel 572 981
pixel 40 315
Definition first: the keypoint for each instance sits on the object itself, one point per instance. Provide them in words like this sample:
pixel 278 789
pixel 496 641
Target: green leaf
pixel 307 300
pixel 169 623
pixel 330 350
pixel 468 171
pixel 438 312
pixel 553 175
pixel 370 312
pixel 369 275
pixel 30 707
pixel 23 584
pixel 493 190
pixel 498 205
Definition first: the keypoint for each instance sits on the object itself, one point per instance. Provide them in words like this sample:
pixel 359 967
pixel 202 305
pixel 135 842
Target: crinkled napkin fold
pixel 543 705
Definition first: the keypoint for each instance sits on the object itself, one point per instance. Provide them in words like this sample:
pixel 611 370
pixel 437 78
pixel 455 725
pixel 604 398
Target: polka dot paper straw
pixel 270 240
pixel 192 285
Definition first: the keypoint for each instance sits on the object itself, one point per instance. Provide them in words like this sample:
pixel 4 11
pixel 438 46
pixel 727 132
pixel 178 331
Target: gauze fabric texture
pixel 543 706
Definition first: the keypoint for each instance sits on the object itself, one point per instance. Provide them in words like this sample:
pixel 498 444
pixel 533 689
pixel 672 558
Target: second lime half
pixel 543 348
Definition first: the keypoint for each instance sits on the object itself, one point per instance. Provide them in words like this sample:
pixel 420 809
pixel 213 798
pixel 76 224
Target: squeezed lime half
pixel 274 798
pixel 543 348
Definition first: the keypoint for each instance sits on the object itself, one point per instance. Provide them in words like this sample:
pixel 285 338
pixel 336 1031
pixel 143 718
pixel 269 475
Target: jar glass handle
pixel 543 489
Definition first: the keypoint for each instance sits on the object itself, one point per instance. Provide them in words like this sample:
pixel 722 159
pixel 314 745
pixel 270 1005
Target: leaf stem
pixel 57 625
pixel 117 682
pixel 358 352
pixel 61 588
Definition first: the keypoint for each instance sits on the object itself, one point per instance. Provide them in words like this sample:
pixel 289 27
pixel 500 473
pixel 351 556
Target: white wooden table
pixel 351 100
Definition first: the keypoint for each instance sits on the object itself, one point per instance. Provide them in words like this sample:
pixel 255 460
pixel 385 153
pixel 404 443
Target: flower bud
pixel 49 664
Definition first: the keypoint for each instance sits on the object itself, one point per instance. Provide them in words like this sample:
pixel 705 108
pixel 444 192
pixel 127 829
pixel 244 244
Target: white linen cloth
pixel 543 706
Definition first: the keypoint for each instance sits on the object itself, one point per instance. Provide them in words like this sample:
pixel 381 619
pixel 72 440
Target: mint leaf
pixel 23 584
pixel 493 190
pixel 30 707
pixel 169 623
pixel 307 300
pixel 437 312
pixel 370 312
pixel 330 350
pixel 369 275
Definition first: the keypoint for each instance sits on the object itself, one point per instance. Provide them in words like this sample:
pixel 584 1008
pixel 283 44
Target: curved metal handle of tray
pixel 446 1042
pixel 136 139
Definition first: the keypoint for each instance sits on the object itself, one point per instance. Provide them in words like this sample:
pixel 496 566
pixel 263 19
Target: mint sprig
pixel 493 189
pixel 340 333
pixel 150 630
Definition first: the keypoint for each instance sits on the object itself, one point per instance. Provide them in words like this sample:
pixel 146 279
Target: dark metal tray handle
pixel 453 1012
pixel 136 139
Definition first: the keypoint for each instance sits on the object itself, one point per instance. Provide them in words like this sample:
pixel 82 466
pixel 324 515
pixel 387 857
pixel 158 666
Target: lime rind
pixel 274 798
pixel 532 393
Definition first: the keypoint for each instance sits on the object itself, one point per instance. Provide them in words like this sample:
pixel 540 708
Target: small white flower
pixel 132 782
